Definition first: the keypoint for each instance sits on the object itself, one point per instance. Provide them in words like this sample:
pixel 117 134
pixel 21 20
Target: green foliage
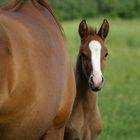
pixel 119 100
pixel 72 9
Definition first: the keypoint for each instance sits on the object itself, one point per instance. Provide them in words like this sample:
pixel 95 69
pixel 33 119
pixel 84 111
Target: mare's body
pixel 36 78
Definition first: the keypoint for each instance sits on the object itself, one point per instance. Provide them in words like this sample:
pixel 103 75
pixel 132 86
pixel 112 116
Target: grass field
pixel 119 100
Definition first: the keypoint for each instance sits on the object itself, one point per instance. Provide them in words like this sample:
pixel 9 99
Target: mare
pixel 85 122
pixel 37 83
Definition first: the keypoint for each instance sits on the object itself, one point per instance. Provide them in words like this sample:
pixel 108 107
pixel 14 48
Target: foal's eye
pixel 106 54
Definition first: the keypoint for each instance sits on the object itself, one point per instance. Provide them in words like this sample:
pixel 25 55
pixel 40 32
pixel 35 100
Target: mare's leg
pixel 54 134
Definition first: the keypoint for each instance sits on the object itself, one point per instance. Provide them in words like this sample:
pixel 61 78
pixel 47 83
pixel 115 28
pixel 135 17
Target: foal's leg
pixel 54 134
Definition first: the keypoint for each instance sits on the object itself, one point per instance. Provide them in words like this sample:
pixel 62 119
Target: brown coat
pixel 37 85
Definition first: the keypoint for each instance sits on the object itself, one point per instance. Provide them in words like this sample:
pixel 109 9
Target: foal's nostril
pixel 91 78
pixel 102 79
pixel 76 138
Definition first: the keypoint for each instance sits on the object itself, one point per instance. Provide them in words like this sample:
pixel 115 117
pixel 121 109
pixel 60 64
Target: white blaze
pixel 95 48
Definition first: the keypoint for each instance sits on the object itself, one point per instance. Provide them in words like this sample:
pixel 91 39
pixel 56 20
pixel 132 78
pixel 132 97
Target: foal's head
pixel 93 53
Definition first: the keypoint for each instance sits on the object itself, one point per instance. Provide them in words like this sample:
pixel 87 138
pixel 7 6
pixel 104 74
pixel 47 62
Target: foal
pixel 85 122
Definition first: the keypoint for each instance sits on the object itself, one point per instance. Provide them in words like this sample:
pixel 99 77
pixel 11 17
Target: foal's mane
pixel 92 31
pixel 40 4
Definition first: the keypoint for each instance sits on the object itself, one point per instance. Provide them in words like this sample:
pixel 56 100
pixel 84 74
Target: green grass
pixel 119 100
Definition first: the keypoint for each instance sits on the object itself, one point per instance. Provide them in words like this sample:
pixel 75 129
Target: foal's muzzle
pixel 96 82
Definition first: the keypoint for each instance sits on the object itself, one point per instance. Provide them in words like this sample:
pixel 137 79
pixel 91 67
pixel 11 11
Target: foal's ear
pixel 104 29
pixel 83 29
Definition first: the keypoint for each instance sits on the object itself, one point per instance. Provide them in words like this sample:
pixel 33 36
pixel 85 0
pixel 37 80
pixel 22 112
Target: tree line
pixel 72 9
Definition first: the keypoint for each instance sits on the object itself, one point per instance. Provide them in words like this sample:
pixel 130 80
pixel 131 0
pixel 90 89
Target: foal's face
pixel 93 53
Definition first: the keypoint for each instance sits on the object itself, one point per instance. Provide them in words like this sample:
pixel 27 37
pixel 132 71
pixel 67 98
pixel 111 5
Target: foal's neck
pixel 84 94
pixel 81 80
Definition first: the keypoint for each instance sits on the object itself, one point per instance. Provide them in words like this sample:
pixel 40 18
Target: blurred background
pixel 119 101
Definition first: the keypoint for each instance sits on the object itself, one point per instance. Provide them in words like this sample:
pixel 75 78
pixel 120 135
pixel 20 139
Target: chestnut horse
pixel 37 84
pixel 85 122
